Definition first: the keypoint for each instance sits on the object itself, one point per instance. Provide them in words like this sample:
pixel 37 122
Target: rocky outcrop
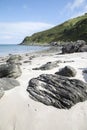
pixel 72 47
pixel 10 70
pixel 67 71
pixel 48 66
pixel 58 91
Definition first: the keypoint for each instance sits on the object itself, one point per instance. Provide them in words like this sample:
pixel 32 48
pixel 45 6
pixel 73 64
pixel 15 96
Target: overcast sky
pixel 21 18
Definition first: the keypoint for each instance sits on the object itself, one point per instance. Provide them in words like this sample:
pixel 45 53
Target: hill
pixel 71 30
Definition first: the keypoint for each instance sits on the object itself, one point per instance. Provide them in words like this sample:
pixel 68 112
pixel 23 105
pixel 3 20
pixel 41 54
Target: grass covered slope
pixel 70 30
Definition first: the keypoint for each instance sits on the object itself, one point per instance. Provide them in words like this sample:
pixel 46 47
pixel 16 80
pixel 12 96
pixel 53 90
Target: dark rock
pixel 10 70
pixel 58 91
pixel 54 44
pixel 67 71
pixel 69 61
pixel 74 47
pixel 31 57
pixel 8 83
pixel 48 66
pixel 85 71
pixel 27 61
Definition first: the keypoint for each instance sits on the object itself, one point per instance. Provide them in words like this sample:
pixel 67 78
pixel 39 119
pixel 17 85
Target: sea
pixel 6 49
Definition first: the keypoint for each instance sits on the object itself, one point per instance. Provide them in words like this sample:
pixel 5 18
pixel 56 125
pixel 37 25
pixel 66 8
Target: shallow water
pixel 6 49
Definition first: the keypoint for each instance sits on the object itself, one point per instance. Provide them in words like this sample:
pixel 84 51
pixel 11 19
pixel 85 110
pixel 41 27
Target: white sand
pixel 19 112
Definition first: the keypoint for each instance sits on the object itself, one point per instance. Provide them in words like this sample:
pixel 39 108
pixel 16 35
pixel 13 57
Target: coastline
pixel 6 49
pixel 19 112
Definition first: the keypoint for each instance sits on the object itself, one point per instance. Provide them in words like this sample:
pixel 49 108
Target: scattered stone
pixel 58 91
pixel 31 57
pixel 27 61
pixel 48 66
pixel 69 61
pixel 26 54
pixel 54 44
pixel 67 71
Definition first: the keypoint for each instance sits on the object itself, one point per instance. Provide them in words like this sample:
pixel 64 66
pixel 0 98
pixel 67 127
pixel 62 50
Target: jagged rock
pixel 48 66
pixel 14 59
pixel 10 70
pixel 67 71
pixel 74 47
pixel 58 91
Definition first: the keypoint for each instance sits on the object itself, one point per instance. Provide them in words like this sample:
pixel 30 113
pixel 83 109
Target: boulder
pixel 67 71
pixel 58 91
pixel 48 66
pixel 74 47
pixel 14 59
pixel 10 70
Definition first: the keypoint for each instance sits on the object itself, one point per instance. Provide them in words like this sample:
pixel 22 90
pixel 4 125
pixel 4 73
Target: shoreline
pixel 18 111
pixel 17 49
pixel 50 49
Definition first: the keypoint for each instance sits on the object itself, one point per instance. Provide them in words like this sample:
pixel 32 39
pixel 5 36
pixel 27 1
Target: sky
pixel 21 18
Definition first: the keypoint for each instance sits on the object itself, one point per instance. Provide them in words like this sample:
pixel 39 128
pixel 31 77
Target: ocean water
pixel 6 49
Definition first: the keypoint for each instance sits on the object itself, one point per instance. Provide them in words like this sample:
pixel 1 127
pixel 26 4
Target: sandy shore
pixel 19 112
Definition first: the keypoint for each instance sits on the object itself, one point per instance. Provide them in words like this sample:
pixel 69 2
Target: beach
pixel 20 112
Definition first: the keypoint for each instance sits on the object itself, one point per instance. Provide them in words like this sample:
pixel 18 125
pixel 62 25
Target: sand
pixel 19 112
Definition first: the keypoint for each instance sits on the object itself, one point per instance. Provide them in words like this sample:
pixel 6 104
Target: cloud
pixel 74 9
pixel 75 4
pixel 15 32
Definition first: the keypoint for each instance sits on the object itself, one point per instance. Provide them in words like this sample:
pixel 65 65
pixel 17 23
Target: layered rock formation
pixel 58 91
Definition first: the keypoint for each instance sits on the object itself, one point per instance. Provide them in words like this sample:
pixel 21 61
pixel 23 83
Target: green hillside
pixel 71 30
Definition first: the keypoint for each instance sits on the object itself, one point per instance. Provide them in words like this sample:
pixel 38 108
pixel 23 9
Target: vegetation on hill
pixel 71 30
